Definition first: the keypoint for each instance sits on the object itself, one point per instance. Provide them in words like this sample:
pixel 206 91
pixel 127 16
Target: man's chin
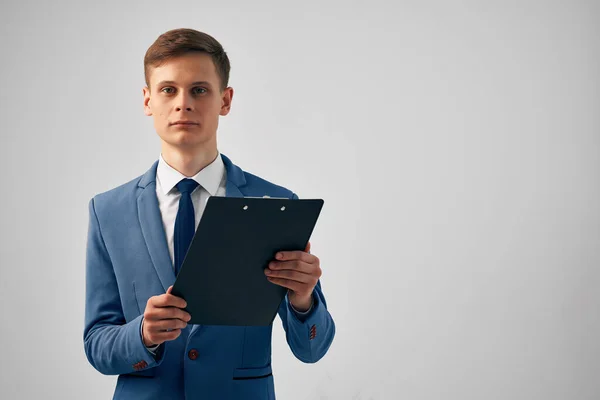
pixel 186 141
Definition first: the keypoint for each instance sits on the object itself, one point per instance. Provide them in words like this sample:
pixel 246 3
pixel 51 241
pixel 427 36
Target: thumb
pixel 170 289
pixel 307 250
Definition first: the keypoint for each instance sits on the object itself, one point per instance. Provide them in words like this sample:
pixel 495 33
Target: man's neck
pixel 188 163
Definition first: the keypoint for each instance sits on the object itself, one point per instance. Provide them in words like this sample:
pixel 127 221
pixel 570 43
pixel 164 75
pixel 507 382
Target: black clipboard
pixel 222 276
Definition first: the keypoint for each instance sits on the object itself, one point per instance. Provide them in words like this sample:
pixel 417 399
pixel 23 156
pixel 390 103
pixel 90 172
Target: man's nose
pixel 184 102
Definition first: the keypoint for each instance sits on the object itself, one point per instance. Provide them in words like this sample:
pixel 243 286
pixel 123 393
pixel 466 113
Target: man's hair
pixel 177 42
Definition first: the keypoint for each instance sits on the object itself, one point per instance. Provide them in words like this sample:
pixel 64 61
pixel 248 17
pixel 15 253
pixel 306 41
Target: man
pixel 139 233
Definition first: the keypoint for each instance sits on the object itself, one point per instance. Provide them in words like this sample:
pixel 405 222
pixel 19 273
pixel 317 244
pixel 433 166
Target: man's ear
pixel 226 101
pixel 146 94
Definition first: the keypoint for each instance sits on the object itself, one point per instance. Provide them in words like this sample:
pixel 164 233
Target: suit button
pixel 193 354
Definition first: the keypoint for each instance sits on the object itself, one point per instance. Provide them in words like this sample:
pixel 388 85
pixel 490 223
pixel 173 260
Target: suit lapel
pixel 153 230
pixel 235 178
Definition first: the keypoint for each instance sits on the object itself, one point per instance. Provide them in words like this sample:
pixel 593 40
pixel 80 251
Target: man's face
pixel 186 88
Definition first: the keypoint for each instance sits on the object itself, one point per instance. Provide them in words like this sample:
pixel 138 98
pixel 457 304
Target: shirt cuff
pixel 312 301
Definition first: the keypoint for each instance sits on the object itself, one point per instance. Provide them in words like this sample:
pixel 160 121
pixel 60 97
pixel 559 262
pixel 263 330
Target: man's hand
pixel 298 271
pixel 164 318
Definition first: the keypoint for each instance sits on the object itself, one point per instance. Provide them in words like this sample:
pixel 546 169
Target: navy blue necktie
pixel 184 222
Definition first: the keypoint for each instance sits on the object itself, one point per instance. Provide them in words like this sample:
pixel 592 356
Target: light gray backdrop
pixel 456 145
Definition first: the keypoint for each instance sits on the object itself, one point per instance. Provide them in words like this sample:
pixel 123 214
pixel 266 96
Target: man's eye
pixel 198 90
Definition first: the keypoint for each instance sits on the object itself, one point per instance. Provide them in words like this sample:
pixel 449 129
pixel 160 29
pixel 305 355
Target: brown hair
pixel 177 42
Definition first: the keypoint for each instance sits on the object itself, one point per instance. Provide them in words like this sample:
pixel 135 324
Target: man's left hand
pixel 298 271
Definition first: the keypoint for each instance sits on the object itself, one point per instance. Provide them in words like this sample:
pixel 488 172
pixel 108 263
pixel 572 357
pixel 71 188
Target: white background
pixel 456 146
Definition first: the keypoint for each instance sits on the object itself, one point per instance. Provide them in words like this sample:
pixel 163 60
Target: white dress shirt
pixel 212 181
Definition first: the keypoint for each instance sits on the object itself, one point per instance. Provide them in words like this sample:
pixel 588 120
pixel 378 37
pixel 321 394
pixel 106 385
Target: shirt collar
pixel 209 177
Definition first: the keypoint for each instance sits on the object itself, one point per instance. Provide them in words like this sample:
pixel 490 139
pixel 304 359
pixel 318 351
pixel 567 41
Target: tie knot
pixel 187 185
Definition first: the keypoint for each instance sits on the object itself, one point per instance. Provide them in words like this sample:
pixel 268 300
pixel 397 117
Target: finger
pixel 165 325
pixel 291 275
pixel 293 285
pixel 160 337
pixel 158 313
pixel 168 300
pixel 295 255
pixel 293 265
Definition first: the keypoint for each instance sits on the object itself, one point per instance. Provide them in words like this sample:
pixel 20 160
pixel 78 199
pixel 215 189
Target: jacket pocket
pixel 253 384
pixel 252 373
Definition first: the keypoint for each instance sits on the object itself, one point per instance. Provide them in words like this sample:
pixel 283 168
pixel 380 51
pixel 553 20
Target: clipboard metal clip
pixel 265 197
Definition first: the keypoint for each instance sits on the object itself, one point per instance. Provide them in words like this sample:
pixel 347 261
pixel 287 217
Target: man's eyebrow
pixel 192 84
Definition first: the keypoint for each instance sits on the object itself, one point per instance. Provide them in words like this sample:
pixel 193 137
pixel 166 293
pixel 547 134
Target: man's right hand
pixel 164 318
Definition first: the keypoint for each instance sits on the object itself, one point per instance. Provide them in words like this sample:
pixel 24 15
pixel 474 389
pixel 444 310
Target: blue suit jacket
pixel 128 261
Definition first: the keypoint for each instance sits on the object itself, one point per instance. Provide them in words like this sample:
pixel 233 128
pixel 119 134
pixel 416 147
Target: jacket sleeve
pixel 112 345
pixel 309 336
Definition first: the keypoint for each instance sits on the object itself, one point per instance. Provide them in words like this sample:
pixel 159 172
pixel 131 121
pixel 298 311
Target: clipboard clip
pixel 265 197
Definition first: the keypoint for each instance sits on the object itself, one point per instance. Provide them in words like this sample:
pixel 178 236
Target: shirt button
pixel 193 354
